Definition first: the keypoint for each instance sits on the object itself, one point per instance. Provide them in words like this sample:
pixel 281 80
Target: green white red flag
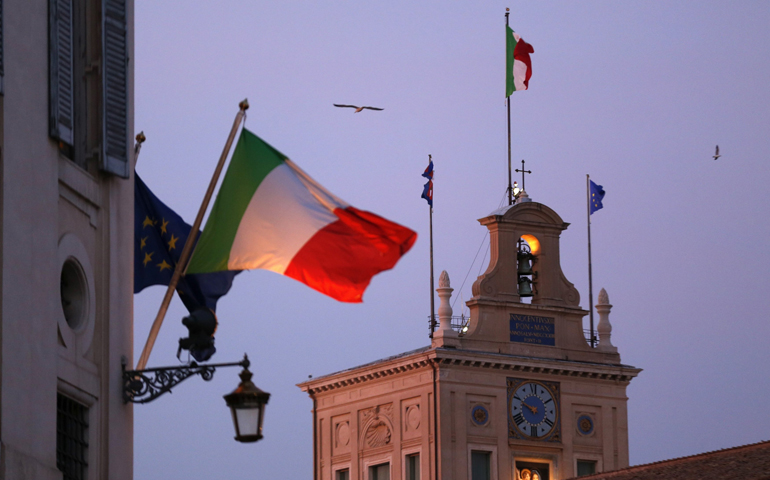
pixel 518 68
pixel 270 214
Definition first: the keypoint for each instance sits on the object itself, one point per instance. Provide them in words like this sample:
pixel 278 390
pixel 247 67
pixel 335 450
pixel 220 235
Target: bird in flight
pixel 717 155
pixel 358 109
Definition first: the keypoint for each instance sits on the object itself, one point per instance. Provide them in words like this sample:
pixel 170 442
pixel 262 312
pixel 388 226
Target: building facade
pixel 516 392
pixel 66 232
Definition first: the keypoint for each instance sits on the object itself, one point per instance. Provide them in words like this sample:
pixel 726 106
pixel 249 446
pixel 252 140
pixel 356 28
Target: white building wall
pixel 51 209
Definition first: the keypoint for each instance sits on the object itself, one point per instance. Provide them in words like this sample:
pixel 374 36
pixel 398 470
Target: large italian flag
pixel 270 214
pixel 518 65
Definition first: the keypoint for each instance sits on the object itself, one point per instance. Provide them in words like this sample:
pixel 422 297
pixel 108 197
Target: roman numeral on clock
pixel 518 418
pixel 549 422
pixel 533 430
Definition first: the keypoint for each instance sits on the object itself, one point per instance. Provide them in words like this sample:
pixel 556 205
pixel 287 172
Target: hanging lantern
pixel 247 405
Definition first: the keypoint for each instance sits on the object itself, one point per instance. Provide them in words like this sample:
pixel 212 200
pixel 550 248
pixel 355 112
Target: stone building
pixel 66 116
pixel 516 392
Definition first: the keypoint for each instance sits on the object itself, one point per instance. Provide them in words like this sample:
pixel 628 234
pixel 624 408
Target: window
pixel 342 475
pixel 481 465
pixel 532 471
pixel 379 472
pixel 62 79
pixel 89 72
pixel 586 467
pixel 71 438
pixel 413 467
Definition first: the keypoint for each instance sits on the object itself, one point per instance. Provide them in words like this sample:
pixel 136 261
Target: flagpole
pixel 432 294
pixel 140 138
pixel 590 279
pixel 508 103
pixel 181 265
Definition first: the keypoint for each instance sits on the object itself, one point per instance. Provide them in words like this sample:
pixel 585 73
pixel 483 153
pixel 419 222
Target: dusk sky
pixel 636 94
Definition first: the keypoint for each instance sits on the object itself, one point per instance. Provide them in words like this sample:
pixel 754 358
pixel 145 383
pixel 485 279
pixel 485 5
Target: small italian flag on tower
pixel 518 65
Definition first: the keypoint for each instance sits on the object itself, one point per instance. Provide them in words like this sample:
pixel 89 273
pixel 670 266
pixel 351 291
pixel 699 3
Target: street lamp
pixel 247 405
pixel 247 402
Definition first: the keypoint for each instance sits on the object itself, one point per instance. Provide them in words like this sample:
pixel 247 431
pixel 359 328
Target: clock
pixel 533 410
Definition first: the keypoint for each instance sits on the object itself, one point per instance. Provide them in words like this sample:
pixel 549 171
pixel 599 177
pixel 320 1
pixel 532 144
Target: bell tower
pixel 525 264
pixel 514 393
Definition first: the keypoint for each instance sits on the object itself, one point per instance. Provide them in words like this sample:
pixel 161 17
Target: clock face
pixel 534 410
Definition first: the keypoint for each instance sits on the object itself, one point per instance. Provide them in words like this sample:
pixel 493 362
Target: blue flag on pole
pixel 159 236
pixel 597 194
pixel 427 190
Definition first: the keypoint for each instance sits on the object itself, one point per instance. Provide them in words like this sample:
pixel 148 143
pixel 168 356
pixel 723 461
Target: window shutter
pixel 61 86
pixel 115 91
pixel 2 68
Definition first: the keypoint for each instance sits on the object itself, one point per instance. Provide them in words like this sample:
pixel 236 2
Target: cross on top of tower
pixel 522 174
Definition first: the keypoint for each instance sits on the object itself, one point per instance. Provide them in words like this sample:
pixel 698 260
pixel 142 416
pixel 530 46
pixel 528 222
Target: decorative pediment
pixel 540 227
pixel 530 212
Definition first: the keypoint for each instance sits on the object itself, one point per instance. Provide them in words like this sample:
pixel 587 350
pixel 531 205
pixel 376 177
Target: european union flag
pixel 597 194
pixel 427 190
pixel 160 235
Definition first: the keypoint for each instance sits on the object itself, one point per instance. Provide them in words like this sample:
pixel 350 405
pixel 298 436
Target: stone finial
pixel 523 197
pixel 445 336
pixel 604 299
pixel 604 328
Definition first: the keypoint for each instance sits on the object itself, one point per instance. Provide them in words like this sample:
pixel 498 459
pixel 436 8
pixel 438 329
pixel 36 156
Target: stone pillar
pixel 604 328
pixel 445 336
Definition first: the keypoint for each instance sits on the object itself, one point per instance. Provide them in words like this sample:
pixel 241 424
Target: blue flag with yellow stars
pixel 159 238
pixel 597 194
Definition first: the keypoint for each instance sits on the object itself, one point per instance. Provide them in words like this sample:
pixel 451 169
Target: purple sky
pixel 635 93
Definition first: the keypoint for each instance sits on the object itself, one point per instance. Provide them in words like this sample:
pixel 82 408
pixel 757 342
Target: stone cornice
pixel 543 366
pixel 368 372
pixel 526 306
pixel 444 357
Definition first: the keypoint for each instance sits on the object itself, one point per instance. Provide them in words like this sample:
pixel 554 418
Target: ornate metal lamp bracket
pixel 143 386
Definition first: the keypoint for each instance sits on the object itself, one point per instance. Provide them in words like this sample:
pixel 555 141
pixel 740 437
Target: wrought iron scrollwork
pixel 142 386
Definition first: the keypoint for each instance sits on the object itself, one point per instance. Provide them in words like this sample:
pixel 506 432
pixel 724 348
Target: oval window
pixel 74 293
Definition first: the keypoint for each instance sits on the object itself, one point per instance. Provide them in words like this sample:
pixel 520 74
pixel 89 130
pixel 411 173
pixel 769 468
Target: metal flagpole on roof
pixel 590 279
pixel 508 102
pixel 181 265
pixel 432 291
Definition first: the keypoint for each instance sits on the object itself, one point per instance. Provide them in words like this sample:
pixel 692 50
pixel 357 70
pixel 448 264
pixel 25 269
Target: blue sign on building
pixel 532 329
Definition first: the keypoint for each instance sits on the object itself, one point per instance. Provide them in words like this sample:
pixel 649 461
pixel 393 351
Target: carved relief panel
pixel 480 414
pixel 376 426
pixel 587 424
pixel 341 434
pixel 411 418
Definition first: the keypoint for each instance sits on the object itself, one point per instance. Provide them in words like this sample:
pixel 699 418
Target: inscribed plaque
pixel 532 329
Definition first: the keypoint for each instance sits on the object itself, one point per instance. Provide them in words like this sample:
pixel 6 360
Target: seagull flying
pixel 717 155
pixel 358 109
